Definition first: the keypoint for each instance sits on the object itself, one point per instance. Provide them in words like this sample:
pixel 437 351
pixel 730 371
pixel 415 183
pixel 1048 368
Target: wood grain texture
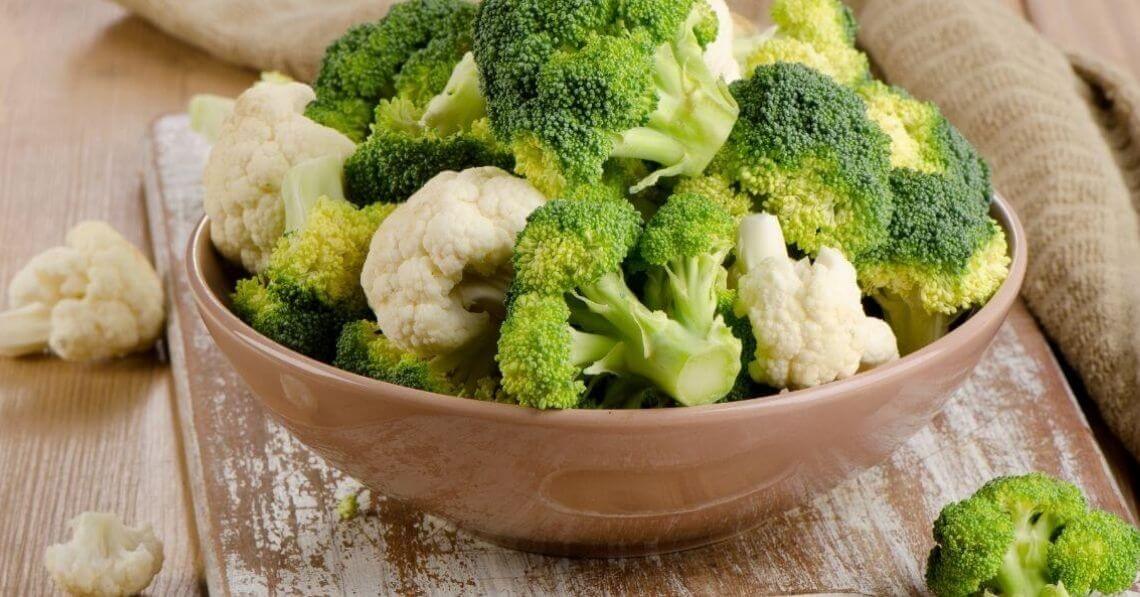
pixel 79 81
pixel 267 505
pixel 79 85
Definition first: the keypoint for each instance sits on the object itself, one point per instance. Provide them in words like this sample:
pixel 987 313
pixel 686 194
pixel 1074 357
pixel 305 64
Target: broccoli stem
pixel 913 326
pixel 691 288
pixel 308 181
pixel 1023 571
pixel 25 330
pixel 694 115
pixel 460 103
pixel 691 368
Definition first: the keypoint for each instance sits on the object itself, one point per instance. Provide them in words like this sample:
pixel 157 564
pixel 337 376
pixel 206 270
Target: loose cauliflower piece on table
pixel 807 317
pixel 95 298
pixel 439 265
pixel 265 136
pixel 104 558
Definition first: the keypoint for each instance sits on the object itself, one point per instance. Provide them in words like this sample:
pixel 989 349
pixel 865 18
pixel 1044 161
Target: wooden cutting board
pixel 265 505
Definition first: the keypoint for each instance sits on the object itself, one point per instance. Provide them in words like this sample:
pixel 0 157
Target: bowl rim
pixel 209 304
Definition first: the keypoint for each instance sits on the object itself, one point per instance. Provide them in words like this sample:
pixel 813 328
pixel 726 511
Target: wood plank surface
pixel 267 505
pixel 79 86
pixel 79 82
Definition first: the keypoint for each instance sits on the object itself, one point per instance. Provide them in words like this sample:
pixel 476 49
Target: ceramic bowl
pixel 599 482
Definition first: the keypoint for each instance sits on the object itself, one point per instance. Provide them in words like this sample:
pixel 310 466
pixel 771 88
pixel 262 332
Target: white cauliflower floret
pixel 95 298
pixel 719 55
pixel 808 318
pixel 438 266
pixel 265 136
pixel 104 557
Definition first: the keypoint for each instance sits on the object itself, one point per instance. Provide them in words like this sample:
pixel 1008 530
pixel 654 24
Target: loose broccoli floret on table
pixel 1029 536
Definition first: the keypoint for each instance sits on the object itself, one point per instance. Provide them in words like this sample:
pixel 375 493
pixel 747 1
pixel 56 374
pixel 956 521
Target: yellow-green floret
pixel 572 317
pixel 1030 535
pixel 819 34
pixel 311 286
pixel 410 53
pixel 570 87
pixel 805 149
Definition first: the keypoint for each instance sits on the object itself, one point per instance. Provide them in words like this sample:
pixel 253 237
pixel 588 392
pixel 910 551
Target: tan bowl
pixel 599 482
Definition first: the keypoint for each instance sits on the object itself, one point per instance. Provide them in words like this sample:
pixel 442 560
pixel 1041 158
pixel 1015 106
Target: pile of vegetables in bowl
pixel 619 204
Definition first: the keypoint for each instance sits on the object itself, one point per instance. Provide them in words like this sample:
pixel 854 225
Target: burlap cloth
pixel 1061 132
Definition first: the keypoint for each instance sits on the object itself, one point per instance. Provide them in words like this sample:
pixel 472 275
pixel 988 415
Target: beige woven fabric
pixel 1064 143
pixel 289 36
pixel 1063 139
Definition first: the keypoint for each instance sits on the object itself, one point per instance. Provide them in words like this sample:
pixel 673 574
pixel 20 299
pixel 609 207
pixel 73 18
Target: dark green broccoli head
pixel 571 84
pixel 409 53
pixel 944 256
pixel 1030 535
pixel 392 165
pixel 292 316
pixel 804 146
pixel 363 349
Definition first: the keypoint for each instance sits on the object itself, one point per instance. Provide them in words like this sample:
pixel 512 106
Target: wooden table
pixel 79 84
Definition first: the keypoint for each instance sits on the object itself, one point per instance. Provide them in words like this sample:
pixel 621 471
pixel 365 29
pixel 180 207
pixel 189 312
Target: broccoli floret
pixel 805 149
pixel 719 190
pixel 571 315
pixel 410 53
pixel 311 286
pixel 684 247
pixel 1029 535
pixel 923 140
pixel 945 256
pixel 394 163
pixel 569 87
pixel 363 350
pixel 819 34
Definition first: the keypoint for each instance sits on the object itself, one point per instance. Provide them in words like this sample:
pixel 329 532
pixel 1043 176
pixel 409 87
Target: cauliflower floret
pixel 104 557
pixel 807 318
pixel 265 136
pixel 96 298
pixel 438 266
pixel 719 55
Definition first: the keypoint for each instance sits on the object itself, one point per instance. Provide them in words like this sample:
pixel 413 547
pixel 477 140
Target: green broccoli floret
pixel 683 248
pixel 393 164
pixel 410 53
pixel 719 190
pixel 569 87
pixel 571 315
pixel 805 149
pixel 945 256
pixel 1027 536
pixel 819 34
pixel 311 286
pixel 363 350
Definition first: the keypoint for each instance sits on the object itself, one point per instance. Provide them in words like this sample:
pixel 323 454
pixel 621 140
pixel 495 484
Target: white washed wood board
pixel 265 505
